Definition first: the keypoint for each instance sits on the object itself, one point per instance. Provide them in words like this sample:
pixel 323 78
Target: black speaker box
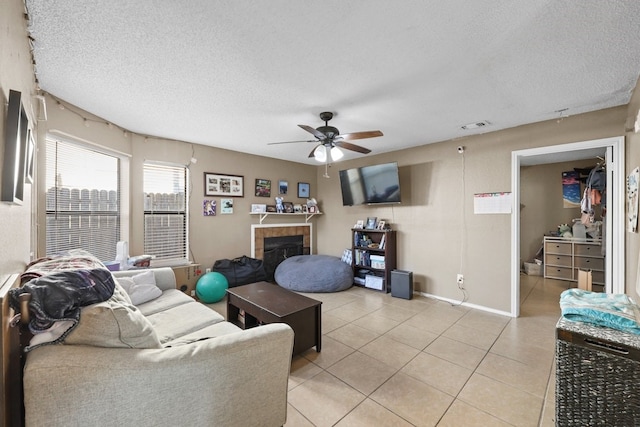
pixel 402 284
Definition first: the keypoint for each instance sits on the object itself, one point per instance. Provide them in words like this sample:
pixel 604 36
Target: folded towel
pixel 616 311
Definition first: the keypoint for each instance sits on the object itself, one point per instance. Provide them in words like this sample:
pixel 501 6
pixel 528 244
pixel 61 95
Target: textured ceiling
pixel 240 74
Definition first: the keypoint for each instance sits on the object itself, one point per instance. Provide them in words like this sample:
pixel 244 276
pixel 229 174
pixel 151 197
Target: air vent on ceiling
pixel 475 125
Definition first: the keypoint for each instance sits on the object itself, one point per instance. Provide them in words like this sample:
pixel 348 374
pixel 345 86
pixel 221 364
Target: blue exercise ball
pixel 211 287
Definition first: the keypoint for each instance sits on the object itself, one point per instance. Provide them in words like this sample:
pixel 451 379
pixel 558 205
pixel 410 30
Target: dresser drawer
pixel 588 263
pixel 590 249
pixel 563 273
pixel 557 248
pixel 561 260
pixel 597 277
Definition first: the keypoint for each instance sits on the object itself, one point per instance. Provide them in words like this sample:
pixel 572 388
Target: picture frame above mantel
pixel 217 184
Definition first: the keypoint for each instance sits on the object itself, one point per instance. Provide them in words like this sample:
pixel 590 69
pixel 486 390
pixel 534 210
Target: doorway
pixel 615 218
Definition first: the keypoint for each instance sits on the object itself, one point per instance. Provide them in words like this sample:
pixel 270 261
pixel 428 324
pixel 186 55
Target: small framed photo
pixel 226 206
pixel 209 207
pixel 359 224
pixel 297 208
pixel 217 184
pixel 271 208
pixel 263 187
pixel 258 208
pixel 283 186
pixel 303 190
pixel 371 222
pixel 312 209
pixel 381 225
pixel 288 207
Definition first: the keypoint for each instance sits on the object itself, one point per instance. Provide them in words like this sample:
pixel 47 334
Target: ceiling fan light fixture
pixel 320 154
pixel 336 154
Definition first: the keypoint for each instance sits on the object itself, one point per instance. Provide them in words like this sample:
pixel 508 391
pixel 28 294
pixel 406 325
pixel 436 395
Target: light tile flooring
pixel 423 362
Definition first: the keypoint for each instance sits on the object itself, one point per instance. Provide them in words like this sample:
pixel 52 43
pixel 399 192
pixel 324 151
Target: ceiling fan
pixel 331 140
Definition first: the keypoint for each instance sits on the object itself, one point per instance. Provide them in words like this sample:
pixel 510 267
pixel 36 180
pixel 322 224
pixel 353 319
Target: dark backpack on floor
pixel 241 271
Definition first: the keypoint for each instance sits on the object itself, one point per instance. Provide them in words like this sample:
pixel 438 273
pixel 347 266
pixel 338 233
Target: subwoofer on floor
pixel 402 284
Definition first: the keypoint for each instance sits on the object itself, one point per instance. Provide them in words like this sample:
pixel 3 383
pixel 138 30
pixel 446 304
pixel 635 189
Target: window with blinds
pixel 82 200
pixel 165 211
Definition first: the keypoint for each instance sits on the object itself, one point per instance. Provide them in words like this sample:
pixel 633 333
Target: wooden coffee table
pixel 264 303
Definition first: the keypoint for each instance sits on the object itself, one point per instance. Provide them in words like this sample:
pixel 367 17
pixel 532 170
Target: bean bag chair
pixel 314 273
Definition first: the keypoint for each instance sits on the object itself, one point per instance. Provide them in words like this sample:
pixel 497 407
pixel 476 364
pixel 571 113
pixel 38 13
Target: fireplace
pixel 277 249
pixel 274 243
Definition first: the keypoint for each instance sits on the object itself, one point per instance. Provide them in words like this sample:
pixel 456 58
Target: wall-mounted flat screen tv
pixel 370 185
pixel 16 124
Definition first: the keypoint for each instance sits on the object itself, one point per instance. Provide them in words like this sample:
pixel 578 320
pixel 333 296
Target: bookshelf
pixel 373 255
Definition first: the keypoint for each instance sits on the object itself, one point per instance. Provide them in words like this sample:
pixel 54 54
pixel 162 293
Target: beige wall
pixel 438 234
pixel 211 238
pixel 633 161
pixel 16 72
pixel 541 204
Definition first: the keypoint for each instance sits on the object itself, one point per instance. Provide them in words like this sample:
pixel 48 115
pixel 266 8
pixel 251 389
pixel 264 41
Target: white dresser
pixel 563 257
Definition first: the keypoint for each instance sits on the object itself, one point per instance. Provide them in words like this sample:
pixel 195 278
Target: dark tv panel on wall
pixel 370 185
pixel 13 168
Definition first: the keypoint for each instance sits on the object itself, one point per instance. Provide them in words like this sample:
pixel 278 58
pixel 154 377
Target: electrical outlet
pixel 208 270
pixel 460 279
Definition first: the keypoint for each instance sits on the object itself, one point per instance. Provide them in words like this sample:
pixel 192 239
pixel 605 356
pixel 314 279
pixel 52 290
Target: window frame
pixel 124 184
pixel 184 259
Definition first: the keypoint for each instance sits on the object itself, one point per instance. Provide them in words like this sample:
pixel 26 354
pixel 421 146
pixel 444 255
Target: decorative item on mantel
pixel 312 206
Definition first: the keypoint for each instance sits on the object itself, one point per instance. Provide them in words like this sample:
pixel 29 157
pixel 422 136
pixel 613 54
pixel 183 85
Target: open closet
pixel 593 241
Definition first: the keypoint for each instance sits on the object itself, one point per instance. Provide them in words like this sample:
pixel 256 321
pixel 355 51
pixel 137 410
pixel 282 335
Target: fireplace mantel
pixel 307 215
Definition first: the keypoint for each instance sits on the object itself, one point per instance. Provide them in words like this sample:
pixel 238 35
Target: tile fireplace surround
pixel 259 232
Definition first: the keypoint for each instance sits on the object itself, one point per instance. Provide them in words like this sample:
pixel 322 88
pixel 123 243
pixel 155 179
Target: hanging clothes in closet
pixel 594 194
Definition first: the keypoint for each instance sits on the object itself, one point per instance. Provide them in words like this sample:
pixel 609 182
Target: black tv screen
pixel 370 185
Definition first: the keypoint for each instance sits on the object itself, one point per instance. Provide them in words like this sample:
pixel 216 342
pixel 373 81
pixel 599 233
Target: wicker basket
pixel 597 376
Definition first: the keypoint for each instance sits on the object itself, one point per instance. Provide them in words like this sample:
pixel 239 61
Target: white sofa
pixel 205 372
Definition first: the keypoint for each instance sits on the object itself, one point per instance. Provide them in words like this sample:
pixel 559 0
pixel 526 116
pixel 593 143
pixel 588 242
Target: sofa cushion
pixel 141 287
pixel 114 323
pixel 211 331
pixel 170 298
pixel 178 321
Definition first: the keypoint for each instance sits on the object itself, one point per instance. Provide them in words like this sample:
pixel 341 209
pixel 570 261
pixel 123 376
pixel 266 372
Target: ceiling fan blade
pixel 352 147
pixel 291 142
pixel 359 135
pixel 313 152
pixel 321 136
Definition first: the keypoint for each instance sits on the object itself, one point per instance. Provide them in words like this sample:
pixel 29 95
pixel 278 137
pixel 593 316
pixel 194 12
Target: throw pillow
pixel 141 287
pixel 114 323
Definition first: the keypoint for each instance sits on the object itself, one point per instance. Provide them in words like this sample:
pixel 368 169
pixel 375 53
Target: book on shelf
pixel 382 240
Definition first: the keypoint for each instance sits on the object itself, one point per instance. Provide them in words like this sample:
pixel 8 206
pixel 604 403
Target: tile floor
pixel 423 362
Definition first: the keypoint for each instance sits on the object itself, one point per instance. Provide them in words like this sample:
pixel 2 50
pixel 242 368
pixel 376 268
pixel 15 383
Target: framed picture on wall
pixel 303 190
pixel 217 184
pixel 283 186
pixel 263 187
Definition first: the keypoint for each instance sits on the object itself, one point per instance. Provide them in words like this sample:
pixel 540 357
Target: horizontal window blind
pixel 165 211
pixel 82 200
